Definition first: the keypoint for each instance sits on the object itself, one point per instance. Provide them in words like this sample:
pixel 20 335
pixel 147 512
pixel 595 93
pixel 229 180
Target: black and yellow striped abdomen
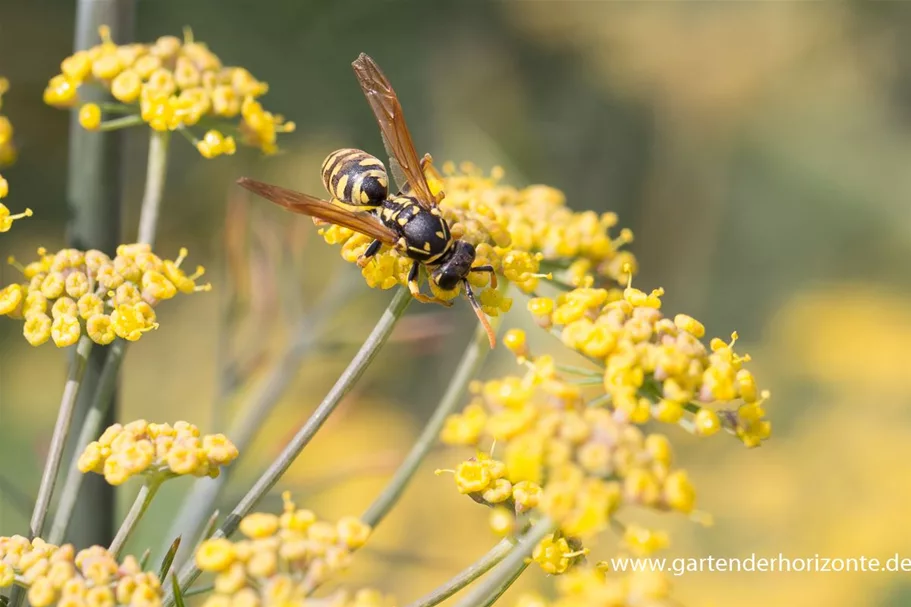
pixel 355 177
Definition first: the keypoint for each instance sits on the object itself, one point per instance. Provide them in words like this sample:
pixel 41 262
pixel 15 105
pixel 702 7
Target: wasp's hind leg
pixel 372 250
pixel 415 288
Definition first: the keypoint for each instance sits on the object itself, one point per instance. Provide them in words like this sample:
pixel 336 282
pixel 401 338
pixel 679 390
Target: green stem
pixel 200 590
pixel 187 135
pixel 123 122
pixel 140 504
pixel 589 381
pixel 581 371
pixel 467 575
pixel 471 363
pixel 197 505
pixel 61 431
pixel 495 596
pixel 599 400
pixel 155 177
pixel 349 377
pixel 509 570
pixel 118 108
pixel 55 453
pixel 91 428
pixel 93 196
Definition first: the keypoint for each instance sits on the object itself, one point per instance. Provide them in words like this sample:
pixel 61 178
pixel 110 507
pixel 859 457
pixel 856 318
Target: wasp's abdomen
pixel 355 177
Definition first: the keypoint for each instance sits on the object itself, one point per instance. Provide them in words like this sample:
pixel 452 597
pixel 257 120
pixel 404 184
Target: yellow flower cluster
pixel 657 367
pixel 574 459
pixel 283 559
pixel 517 231
pixel 170 85
pixel 570 441
pixel 587 587
pixel 6 218
pixel 61 576
pixel 7 156
pixel 71 292
pixel 156 450
pixel 7 149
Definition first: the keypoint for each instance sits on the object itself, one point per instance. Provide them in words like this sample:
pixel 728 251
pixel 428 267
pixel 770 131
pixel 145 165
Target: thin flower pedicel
pixel 7 218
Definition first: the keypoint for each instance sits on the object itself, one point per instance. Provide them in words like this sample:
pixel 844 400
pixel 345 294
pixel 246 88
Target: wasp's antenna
pixel 491 336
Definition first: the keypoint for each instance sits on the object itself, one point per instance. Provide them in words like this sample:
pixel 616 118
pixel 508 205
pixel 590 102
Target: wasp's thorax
pixel 425 233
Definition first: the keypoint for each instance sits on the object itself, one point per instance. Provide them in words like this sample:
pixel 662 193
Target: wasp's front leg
pixel 415 288
pixel 372 250
pixel 493 274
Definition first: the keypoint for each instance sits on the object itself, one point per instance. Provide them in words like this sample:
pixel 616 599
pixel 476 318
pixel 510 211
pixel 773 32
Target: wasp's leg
pixel 372 250
pixel 430 172
pixel 415 288
pixel 493 274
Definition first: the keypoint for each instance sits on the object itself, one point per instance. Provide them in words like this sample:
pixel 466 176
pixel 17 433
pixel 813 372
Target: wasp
pixel 409 221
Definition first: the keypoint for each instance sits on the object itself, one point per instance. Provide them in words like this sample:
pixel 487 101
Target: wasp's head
pixel 455 267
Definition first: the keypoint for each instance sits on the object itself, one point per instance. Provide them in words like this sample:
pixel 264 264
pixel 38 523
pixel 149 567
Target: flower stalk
pixel 495 596
pixel 197 506
pixel 484 564
pixel 140 505
pixel 61 431
pixel 471 363
pixel 58 441
pixel 154 188
pixel 349 377
pixel 91 428
pixel 123 122
pixel 509 570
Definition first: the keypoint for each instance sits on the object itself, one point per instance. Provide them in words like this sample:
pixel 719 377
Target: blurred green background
pixel 758 151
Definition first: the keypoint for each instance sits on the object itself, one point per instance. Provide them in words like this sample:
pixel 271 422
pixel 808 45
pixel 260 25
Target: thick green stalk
pixel 467 575
pixel 156 171
pixel 471 363
pixel 501 578
pixel 140 505
pixel 93 195
pixel 91 429
pixel 371 347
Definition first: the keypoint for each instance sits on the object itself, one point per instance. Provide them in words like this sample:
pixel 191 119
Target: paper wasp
pixel 410 221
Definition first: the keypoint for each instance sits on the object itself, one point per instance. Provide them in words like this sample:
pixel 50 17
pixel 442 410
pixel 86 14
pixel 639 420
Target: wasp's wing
pixel 398 174
pixel 396 137
pixel 314 207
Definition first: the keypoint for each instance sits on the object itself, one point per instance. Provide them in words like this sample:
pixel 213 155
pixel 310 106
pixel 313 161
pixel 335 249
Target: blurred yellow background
pixel 758 151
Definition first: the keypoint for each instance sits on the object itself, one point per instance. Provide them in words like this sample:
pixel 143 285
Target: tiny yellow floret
pixel 90 116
